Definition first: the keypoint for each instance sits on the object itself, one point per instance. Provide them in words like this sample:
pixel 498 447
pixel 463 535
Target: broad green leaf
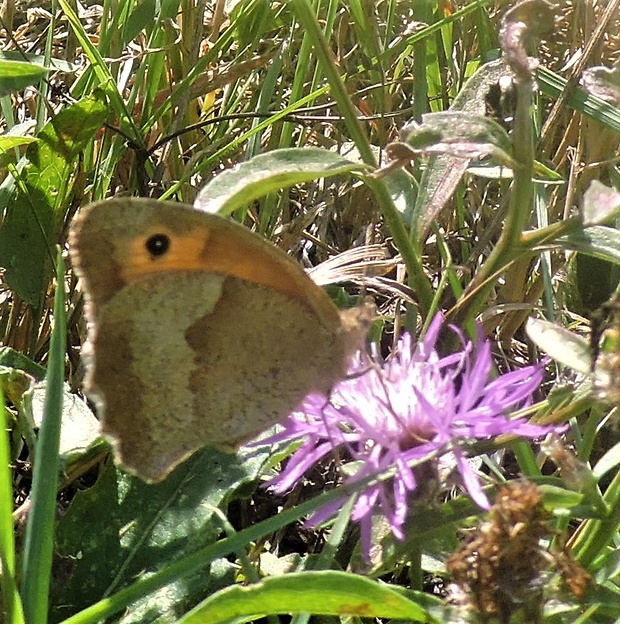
pixel 590 282
pixel 122 529
pixel 562 345
pixel 269 172
pixel 458 133
pixel 14 359
pixel 443 173
pixel 8 142
pixel 599 241
pixel 17 75
pixel 52 64
pixel 455 137
pixel 320 593
pixel 36 207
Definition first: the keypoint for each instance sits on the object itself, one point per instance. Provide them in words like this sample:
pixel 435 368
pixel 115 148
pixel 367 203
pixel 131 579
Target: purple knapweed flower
pixel 415 406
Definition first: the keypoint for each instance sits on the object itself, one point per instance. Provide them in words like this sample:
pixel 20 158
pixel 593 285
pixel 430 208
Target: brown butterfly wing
pixel 234 359
pixel 207 344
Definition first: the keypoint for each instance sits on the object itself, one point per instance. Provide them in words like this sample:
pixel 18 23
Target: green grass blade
pixel 551 84
pixel 360 138
pixel 39 545
pixel 6 501
pixel 401 48
pixel 232 145
pixel 106 80
pixel 325 58
pixel 420 66
pixel 12 610
pixel 43 83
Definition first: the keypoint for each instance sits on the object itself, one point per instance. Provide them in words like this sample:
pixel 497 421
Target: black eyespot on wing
pixel 158 244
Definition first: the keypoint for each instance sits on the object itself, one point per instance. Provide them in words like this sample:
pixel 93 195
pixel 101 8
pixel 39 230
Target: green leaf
pixel 37 205
pixel 142 14
pixel 11 610
pixel 124 529
pixel 14 384
pixel 8 142
pixel 444 172
pixel 17 75
pixel 269 172
pixel 14 359
pixel 461 134
pixel 322 593
pixel 590 282
pixel 8 147
pixel 51 63
pixel 562 345
pixel 599 241
pixel 402 188
pixel 556 498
